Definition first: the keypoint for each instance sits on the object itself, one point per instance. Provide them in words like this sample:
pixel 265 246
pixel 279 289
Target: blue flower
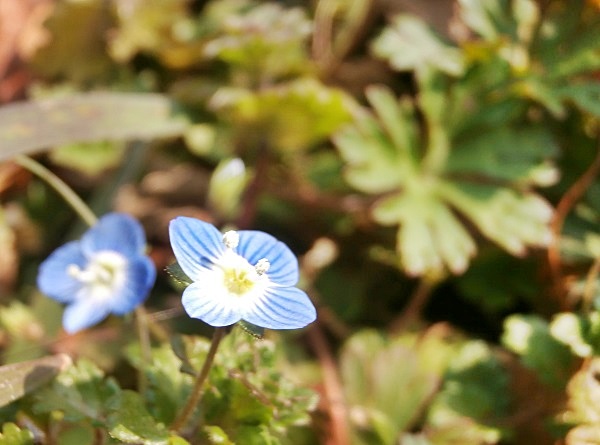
pixel 105 272
pixel 246 275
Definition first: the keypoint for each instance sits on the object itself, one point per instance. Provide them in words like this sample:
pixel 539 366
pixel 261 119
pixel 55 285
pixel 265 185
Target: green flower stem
pixel 141 318
pixel 60 186
pixel 182 420
pixel 87 215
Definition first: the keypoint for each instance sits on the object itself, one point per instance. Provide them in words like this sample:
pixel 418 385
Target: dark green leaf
pixel 178 275
pixel 253 330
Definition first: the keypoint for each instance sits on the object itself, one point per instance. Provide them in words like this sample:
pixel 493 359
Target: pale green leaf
pixel 409 44
pixel 13 435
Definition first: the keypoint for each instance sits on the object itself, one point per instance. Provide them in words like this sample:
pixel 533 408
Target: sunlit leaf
pixel 265 42
pixel 289 116
pixel 89 158
pixel 376 369
pixel 13 435
pixel 130 422
pixel 530 338
pixel 409 44
pixel 226 187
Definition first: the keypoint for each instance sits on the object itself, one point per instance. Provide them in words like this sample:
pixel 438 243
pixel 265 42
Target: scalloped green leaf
pixel 130 422
pixel 409 44
pixel 530 337
pixel 374 371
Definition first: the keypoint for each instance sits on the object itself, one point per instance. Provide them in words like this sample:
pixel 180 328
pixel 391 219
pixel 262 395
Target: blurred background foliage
pixel 433 163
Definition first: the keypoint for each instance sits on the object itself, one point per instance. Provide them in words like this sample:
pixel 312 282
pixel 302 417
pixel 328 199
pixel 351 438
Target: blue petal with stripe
pixel 196 244
pixel 255 245
pixel 281 308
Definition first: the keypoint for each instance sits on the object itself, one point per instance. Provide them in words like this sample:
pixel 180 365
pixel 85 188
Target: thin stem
pixel 564 206
pixel 141 319
pixel 198 390
pixel 415 305
pixel 60 186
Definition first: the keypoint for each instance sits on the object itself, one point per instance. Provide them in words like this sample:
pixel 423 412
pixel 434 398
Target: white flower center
pixel 239 277
pixel 104 274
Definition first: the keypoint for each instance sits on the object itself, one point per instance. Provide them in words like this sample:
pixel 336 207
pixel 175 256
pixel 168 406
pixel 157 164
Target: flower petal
pixel 83 314
pixel 196 244
pixel 53 278
pixel 255 245
pixel 115 231
pixel 140 277
pixel 215 308
pixel 281 308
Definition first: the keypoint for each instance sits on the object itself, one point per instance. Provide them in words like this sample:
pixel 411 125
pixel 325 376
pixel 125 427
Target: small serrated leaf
pixel 178 275
pixel 255 331
pixel 130 421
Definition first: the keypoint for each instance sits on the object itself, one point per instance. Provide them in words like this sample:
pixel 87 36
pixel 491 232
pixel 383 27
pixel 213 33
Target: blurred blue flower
pixel 105 272
pixel 246 275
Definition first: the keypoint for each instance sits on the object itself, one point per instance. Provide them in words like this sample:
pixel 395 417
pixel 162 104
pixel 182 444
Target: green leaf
pixel 164 29
pixel 530 337
pixel 266 42
pixel 179 277
pixel 585 96
pixel 13 435
pixel 216 435
pixel 290 116
pixel 22 378
pixel 80 392
pixel 226 187
pixel 476 384
pixel 409 44
pixel 379 153
pixel 255 331
pixel 374 370
pixel 168 384
pixel 45 123
pixel 492 153
pixel 512 220
pixel 90 158
pixel 430 236
pixel 583 401
pixel 130 422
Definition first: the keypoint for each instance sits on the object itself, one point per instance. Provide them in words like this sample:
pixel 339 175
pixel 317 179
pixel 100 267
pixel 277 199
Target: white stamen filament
pixel 231 239
pixel 262 266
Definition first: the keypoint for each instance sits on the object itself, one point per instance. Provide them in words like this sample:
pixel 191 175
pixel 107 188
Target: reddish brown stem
pixel 564 206
pixel 333 389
